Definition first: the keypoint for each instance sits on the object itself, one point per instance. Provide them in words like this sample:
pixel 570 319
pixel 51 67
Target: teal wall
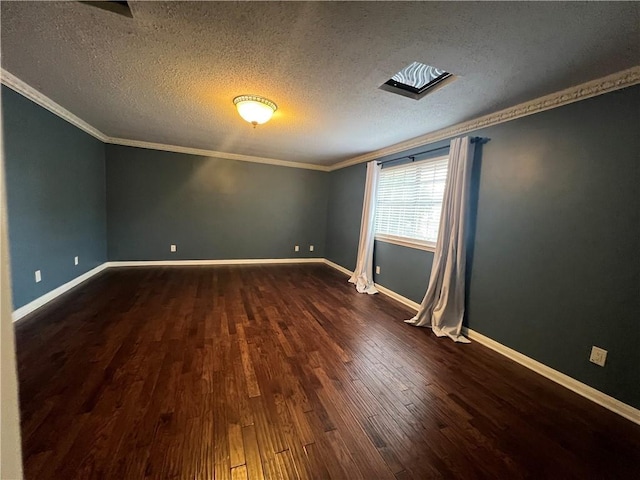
pixel 553 258
pixel 55 177
pixel 211 208
pixel 553 262
pixel 346 196
pixel 403 270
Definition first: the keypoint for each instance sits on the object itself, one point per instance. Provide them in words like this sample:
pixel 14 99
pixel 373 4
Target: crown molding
pixel 26 90
pixel 213 153
pixel 593 88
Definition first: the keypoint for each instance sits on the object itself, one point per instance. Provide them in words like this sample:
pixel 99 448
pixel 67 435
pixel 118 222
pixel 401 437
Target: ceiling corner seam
pixel 27 91
pixel 583 91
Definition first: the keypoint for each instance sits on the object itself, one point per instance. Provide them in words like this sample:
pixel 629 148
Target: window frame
pixel 410 242
pixel 406 242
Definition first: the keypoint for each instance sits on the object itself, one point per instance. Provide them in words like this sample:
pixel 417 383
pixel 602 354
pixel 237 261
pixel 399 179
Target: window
pixel 410 201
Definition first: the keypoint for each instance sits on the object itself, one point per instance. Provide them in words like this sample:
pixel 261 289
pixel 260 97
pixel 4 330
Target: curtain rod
pixel 479 140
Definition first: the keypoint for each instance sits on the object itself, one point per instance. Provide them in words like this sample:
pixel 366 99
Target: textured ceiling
pixel 169 74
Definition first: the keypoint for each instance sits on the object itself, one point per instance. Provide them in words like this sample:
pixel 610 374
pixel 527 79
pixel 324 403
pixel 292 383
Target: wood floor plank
pixel 247 364
pixel 252 452
pixel 239 473
pixel 283 372
pixel 236 445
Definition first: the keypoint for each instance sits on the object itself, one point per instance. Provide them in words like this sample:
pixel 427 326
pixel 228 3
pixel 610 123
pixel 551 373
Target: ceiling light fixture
pixel 254 109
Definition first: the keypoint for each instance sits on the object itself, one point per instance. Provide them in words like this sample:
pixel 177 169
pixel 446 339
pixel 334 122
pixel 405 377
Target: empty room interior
pixel 309 240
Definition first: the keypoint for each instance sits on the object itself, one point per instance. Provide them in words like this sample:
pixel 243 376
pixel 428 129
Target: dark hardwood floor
pixel 286 372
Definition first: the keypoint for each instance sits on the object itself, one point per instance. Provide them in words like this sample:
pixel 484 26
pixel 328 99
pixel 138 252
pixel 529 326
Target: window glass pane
pixel 410 199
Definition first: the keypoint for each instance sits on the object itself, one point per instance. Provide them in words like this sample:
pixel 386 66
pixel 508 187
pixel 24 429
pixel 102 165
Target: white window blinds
pixel 410 200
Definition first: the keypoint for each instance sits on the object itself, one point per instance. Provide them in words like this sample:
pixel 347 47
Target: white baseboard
pixel 56 292
pixel 381 289
pixel 340 268
pixel 608 402
pixel 47 297
pixel 241 261
pixel 596 396
pixel 399 298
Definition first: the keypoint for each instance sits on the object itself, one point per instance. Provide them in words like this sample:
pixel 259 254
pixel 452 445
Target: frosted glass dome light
pixel 254 109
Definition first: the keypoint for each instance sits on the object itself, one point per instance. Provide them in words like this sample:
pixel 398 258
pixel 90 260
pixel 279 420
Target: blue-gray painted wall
pixel 346 196
pixel 406 269
pixel 554 262
pixel 56 199
pixel 211 208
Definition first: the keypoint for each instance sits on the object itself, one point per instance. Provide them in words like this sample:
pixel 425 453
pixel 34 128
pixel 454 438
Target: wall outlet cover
pixel 38 276
pixel 377 270
pixel 311 248
pixel 174 248
pixel 296 248
pixel 76 260
pixel 598 356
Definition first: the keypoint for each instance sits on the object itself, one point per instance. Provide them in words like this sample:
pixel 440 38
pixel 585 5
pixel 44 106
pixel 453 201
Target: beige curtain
pixel 442 308
pixel 363 273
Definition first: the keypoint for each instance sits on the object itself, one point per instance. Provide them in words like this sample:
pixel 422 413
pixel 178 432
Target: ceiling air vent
pixel 416 80
pixel 121 8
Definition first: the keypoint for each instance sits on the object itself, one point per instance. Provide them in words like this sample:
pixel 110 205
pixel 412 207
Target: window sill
pixel 406 242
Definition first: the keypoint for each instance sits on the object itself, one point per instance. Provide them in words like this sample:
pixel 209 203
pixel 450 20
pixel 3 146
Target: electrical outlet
pixel 76 260
pixel 377 270
pixel 296 248
pixel 598 356
pixel 311 248
pixel 38 276
pixel 174 248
